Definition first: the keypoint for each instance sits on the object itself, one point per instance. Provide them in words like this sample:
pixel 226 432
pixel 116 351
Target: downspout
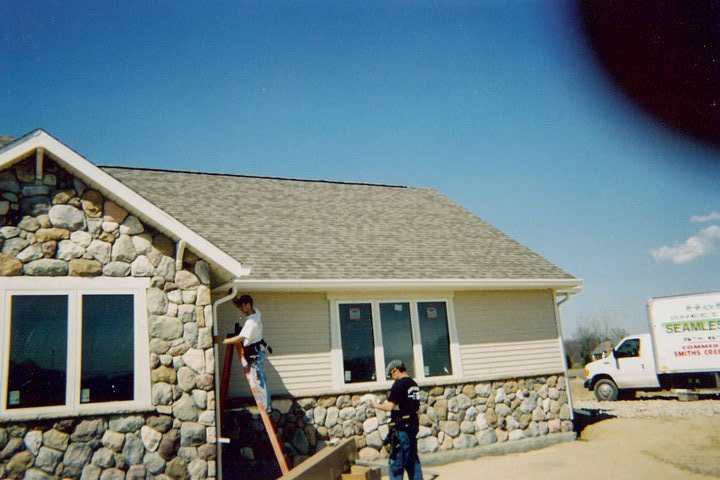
pixel 216 349
pixel 39 155
pixel 567 297
pixel 179 254
pixel 562 351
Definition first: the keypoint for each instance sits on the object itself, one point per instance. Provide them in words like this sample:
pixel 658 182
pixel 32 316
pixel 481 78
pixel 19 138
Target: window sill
pixel 366 387
pixel 104 410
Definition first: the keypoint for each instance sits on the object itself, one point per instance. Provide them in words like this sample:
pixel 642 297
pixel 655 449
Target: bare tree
pixel 589 335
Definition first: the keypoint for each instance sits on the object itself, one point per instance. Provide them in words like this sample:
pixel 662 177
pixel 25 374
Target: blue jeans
pixel 257 367
pixel 405 459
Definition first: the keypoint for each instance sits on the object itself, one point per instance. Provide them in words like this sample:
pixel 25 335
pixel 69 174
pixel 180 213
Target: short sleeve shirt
pixel 252 330
pixel 405 394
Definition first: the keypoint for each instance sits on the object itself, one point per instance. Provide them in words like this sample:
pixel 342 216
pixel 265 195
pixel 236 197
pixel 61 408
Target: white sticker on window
pixel 14 397
pixel 398 307
pixel 85 395
pixel 427 371
pixel 348 375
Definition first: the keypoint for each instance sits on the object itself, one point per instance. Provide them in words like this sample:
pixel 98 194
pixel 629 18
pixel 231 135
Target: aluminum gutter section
pixel 567 286
pixel 216 353
pixel 558 323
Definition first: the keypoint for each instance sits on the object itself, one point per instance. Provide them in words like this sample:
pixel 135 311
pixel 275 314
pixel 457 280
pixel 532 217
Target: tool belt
pixel 251 352
pixel 405 423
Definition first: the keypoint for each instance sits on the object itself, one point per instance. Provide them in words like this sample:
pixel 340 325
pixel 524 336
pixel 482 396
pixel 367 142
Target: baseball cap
pixel 393 365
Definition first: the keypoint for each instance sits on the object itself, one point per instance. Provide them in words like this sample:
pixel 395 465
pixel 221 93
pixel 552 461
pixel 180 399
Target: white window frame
pixel 379 352
pixel 75 288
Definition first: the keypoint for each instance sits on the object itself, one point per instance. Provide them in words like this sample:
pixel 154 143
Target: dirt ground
pixel 676 445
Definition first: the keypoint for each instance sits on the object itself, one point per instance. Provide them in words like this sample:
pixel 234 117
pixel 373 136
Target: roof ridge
pixel 262 177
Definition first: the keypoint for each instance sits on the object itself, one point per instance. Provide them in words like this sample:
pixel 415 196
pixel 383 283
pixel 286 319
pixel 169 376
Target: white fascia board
pixel 95 177
pixel 564 285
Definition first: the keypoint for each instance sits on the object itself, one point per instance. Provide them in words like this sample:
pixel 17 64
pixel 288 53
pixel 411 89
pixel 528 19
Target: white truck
pixel 681 353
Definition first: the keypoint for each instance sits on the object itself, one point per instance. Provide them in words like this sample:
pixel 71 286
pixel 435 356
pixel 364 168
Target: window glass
pixel 629 348
pixel 397 333
pixel 432 317
pixel 107 348
pixel 38 351
pixel 356 332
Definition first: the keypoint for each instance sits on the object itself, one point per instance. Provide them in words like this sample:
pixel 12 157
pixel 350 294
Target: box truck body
pixel 686 332
pixel 682 351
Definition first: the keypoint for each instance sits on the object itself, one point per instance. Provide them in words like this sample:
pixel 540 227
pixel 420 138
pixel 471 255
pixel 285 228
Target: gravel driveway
pixel 661 407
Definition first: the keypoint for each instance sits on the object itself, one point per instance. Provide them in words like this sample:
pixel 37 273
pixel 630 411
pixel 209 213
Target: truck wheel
pixel 606 390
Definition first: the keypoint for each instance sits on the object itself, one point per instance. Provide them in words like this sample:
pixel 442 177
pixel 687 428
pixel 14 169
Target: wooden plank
pixel 328 464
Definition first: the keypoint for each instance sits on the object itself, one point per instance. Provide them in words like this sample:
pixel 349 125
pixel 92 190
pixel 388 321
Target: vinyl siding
pixel 501 334
pixel 297 327
pixel 507 333
pixel 495 360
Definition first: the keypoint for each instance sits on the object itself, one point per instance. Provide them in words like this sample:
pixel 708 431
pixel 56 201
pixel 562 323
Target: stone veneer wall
pixel 58 227
pixel 451 417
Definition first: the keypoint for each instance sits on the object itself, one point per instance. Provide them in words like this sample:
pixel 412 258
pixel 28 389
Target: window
pixel 397 334
pixel 107 378
pixel 357 337
pixel 435 338
pixel 38 351
pixel 371 333
pixel 79 347
pixel 629 348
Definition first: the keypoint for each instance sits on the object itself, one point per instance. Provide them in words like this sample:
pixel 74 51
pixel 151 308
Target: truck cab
pixel 628 367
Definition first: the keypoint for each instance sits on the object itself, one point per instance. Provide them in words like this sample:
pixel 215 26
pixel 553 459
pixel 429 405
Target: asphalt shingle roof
pixel 297 229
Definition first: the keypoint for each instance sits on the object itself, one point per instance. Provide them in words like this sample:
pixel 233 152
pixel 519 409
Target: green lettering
pixel 696 326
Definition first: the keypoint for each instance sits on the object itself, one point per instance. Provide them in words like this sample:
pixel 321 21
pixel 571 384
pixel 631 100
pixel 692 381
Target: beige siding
pixel 507 333
pixel 297 327
pixel 511 359
pixel 500 334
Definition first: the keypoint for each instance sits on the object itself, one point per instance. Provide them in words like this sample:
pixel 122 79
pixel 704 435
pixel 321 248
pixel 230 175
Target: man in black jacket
pixel 402 403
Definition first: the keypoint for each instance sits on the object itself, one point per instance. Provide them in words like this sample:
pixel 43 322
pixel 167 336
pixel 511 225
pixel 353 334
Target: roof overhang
pixel 561 286
pixel 116 191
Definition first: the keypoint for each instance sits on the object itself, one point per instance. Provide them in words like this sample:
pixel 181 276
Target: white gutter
pixel 216 348
pixel 562 285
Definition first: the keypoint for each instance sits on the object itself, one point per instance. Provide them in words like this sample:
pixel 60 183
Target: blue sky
pixel 500 105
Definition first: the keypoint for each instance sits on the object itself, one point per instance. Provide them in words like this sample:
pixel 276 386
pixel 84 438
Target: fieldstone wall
pixel 57 227
pixel 451 417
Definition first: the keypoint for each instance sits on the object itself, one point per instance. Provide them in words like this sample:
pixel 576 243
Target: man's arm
pixel 386 406
pixel 246 332
pixel 235 339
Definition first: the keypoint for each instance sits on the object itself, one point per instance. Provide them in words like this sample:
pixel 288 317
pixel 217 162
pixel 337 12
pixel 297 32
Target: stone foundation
pixel 451 418
pixel 132 447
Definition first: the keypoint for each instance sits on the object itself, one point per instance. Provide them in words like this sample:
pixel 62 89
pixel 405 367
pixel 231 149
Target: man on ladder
pixel 254 347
